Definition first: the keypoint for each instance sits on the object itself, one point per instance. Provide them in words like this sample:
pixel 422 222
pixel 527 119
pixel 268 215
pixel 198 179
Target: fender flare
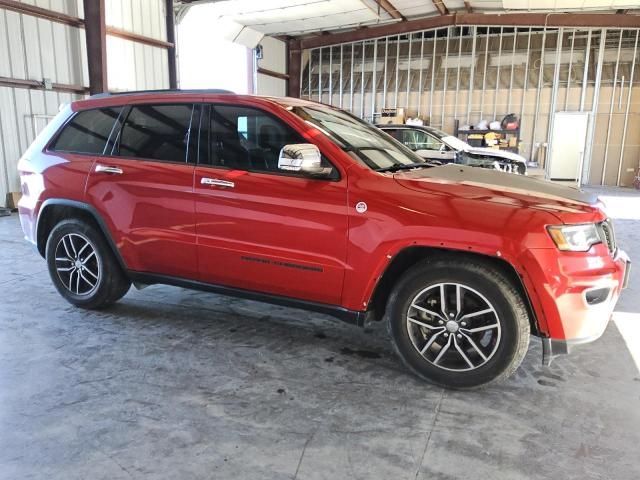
pixel 539 322
pixel 93 213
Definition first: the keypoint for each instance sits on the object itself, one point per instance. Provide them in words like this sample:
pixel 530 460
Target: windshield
pixel 449 140
pixel 361 140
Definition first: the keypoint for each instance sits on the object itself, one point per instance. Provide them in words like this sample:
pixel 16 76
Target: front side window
pixel 87 132
pixel 156 132
pixel 245 138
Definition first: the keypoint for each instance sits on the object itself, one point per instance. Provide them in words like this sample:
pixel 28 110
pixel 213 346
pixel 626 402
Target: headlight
pixel 575 238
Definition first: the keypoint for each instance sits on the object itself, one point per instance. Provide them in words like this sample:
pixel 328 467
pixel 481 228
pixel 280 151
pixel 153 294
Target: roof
pixel 248 18
pixel 159 91
pixel 426 128
pixel 168 96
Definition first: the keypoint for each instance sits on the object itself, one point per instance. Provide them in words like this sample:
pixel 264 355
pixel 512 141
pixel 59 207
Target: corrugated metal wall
pixel 34 49
pixel 475 73
pixel 274 58
pixel 133 65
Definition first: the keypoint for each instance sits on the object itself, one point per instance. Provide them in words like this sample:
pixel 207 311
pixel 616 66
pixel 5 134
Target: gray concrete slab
pixel 176 384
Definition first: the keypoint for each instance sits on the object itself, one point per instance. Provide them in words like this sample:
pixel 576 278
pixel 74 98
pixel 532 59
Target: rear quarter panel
pixel 45 175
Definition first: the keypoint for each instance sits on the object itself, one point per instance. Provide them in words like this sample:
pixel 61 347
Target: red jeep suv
pixel 296 203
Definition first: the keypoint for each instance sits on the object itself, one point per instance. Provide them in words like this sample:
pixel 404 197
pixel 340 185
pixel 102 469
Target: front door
pixel 143 189
pixel 261 229
pixel 568 138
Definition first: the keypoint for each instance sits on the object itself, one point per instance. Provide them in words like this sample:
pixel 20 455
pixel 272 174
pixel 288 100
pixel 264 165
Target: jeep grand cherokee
pixel 296 203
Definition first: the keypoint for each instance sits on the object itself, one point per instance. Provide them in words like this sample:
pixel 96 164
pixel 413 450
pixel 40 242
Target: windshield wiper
pixel 402 166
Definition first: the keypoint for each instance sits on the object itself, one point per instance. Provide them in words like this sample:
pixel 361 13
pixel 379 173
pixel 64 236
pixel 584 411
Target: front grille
pixel 605 230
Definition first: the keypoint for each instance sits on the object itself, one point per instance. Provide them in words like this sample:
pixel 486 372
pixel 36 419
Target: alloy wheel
pixel 453 327
pixel 77 264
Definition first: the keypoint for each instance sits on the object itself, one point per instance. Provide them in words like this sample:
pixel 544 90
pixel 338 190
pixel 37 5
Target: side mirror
pixel 303 158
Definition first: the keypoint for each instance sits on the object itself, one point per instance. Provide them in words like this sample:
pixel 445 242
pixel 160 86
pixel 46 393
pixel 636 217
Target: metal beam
pixel 171 43
pixel 294 68
pixel 626 113
pixel 39 12
pixel 551 20
pixel 134 37
pixel 398 28
pixel 441 7
pixel 388 7
pixel 36 85
pixel 585 169
pixel 78 22
pixel 271 73
pixel 96 36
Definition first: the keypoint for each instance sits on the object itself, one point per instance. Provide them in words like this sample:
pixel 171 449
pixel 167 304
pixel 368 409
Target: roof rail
pixel 165 90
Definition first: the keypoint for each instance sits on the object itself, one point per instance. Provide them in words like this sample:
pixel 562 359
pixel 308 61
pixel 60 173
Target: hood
pixel 502 154
pixel 504 188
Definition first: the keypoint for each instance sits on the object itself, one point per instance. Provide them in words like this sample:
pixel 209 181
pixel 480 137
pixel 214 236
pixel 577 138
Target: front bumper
pixel 577 293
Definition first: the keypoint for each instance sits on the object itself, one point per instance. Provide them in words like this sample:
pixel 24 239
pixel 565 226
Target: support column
pixel 96 36
pixel 294 64
pixel 171 38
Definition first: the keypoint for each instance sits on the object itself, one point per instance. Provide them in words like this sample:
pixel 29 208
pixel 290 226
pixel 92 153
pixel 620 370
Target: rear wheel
pixel 83 267
pixel 459 324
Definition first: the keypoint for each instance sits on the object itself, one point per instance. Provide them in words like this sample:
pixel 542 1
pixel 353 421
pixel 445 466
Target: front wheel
pixel 83 267
pixel 458 323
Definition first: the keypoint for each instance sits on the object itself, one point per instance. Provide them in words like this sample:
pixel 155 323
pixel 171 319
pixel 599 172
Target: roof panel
pixel 415 8
pixel 271 16
pixel 567 5
pixel 297 17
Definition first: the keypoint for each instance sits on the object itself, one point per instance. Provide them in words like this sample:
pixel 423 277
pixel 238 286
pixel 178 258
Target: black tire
pixel 111 283
pixel 507 343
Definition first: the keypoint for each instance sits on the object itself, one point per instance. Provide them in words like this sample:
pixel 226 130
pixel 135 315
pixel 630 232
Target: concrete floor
pixel 175 384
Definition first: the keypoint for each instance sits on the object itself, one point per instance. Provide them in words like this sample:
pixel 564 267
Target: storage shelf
pixel 513 132
pixel 483 132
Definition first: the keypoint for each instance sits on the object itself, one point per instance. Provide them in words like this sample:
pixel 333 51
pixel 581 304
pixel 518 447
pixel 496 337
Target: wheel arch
pixel 54 210
pixel 409 256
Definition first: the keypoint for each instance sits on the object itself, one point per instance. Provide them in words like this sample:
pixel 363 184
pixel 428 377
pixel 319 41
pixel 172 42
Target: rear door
pixel 259 228
pixel 143 188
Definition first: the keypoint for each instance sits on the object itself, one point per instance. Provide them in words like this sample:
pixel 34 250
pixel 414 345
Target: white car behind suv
pixel 435 145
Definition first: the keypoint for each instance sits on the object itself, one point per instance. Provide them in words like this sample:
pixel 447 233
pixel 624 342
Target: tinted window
pixel 246 139
pixel 360 139
pixel 397 134
pixel 156 132
pixel 87 132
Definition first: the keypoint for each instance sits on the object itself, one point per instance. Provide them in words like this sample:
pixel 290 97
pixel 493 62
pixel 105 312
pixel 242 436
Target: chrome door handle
pixel 107 169
pixel 217 182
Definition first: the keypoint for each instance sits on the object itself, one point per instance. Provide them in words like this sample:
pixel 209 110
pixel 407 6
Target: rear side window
pixel 156 132
pixel 87 132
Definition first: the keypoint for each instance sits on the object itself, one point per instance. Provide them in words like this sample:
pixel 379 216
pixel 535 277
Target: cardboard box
pixel 392 115
pixel 12 200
